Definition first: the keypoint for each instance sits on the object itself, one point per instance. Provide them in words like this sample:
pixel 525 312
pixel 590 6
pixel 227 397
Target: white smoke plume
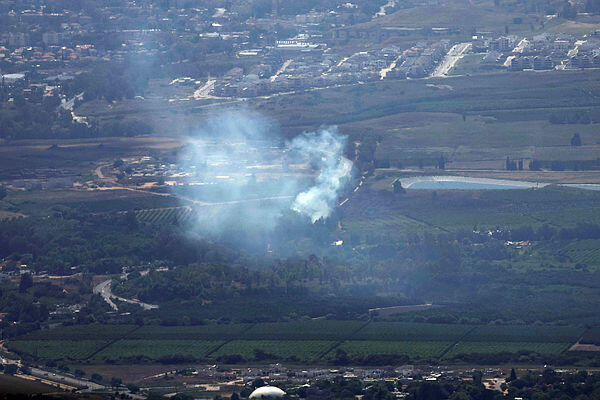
pixel 243 175
pixel 326 148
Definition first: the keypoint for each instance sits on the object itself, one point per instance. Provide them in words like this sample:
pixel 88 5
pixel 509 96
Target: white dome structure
pixel 267 392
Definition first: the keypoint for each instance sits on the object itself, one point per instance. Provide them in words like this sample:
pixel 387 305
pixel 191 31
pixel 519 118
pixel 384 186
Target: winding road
pixel 104 290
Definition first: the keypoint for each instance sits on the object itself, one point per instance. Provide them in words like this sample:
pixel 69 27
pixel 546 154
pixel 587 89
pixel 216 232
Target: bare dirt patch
pixel 584 347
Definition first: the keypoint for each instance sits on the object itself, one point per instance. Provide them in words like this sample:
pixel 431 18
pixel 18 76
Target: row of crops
pixel 303 340
pixel 57 349
pixel 170 215
pixel 415 212
pixel 154 349
pixel 585 252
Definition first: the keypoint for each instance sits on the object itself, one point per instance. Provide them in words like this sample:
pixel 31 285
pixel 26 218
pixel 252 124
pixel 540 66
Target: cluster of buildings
pixel 585 54
pixel 300 71
pixel 40 40
pixel 302 65
pixel 23 58
pixel 535 62
pixel 542 52
pixel 215 380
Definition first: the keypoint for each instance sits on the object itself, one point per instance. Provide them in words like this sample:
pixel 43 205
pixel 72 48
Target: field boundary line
pixel 426 223
pixel 235 337
pixel 454 344
pixel 577 341
pixel 111 342
pixel 339 342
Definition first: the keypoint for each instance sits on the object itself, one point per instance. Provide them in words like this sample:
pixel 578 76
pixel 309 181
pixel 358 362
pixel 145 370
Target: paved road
pixel 65 379
pixel 383 73
pixel 454 54
pixel 521 46
pixel 204 91
pixel 104 289
pixel 281 70
pixel 382 10
pixel 55 378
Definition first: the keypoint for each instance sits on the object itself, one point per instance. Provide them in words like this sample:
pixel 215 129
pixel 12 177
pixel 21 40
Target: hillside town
pixel 42 48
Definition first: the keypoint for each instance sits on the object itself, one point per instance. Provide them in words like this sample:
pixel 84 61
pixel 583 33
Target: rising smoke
pixel 241 173
pixel 326 148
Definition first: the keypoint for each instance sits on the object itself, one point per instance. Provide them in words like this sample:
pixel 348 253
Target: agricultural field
pixel 48 201
pixel 506 97
pixel 591 336
pixel 413 349
pixel 301 350
pixel 303 330
pixel 585 252
pixel 465 220
pixel 391 222
pixel 375 210
pixel 165 215
pixel 201 332
pixel 303 340
pixel 525 333
pixel 57 349
pixel 81 332
pixel 570 215
pixel 154 349
pixel 506 347
pixel 407 331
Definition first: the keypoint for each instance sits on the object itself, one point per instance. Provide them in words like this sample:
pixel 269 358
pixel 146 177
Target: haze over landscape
pixel 316 200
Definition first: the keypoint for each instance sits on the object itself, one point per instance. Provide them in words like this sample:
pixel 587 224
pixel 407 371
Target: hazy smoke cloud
pixel 239 161
pixel 325 148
